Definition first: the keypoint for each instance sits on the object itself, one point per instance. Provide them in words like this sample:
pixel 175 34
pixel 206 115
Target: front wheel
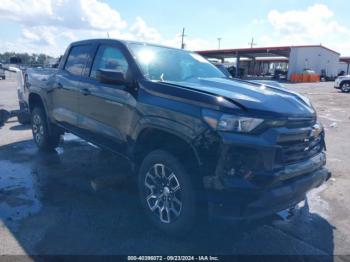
pixel 345 87
pixel 44 137
pixel 166 193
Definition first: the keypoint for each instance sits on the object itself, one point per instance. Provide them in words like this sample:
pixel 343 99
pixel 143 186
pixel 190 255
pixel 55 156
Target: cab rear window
pixel 77 59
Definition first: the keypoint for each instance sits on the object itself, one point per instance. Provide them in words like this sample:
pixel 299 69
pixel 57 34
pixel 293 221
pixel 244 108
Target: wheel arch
pixel 35 99
pixel 154 138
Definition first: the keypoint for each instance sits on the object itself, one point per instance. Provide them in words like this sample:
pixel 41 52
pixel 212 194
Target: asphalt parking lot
pixel 76 200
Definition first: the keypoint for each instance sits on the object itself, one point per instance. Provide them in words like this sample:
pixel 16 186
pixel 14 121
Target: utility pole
pixel 252 43
pixel 182 38
pixel 107 34
pixel 219 42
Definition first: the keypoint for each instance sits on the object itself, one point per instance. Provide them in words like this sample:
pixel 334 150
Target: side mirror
pixel 110 77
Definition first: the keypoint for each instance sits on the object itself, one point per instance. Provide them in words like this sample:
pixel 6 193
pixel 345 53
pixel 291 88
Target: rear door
pixel 66 86
pixel 106 111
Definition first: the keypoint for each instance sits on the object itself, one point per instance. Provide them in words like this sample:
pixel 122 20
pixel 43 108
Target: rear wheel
pixel 45 138
pixel 24 115
pixel 345 87
pixel 23 118
pixel 166 193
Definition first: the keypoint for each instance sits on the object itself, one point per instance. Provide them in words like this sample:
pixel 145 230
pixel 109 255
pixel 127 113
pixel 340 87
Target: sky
pixel 48 26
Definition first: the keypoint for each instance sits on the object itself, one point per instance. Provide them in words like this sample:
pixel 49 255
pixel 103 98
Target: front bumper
pixel 269 183
pixel 235 205
pixel 337 84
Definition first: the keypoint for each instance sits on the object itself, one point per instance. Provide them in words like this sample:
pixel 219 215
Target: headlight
pixel 223 122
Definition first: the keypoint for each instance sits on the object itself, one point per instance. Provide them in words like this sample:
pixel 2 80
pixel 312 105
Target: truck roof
pixel 125 42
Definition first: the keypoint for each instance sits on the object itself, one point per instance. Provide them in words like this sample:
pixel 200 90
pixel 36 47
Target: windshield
pixel 172 65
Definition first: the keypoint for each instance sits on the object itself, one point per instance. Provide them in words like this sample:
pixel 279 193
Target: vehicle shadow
pixel 20 127
pixel 79 200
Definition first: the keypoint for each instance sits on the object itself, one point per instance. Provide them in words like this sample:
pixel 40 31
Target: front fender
pixel 185 132
pixel 177 129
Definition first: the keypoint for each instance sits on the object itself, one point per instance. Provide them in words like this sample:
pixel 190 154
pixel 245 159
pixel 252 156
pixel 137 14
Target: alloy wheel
pixel 38 129
pixel 163 193
pixel 346 88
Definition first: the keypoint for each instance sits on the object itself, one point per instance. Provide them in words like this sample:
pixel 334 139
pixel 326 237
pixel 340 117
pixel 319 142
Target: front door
pixel 106 111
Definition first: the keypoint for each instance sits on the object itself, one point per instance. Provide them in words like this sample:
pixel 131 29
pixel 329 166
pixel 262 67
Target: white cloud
pixel 77 14
pixel 40 35
pixel 314 25
pixel 25 11
pixel 49 25
pixel 315 21
pixel 47 22
pixel 257 21
pixel 143 32
pixel 69 35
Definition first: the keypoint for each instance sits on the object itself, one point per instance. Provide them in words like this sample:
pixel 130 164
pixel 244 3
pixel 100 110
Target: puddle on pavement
pixel 19 189
pixel 19 195
pixel 19 192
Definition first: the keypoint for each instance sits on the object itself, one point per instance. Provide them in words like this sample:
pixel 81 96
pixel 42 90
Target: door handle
pixel 85 91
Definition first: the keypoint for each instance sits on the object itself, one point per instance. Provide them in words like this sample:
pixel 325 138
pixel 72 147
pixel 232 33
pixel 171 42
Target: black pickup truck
pixel 192 136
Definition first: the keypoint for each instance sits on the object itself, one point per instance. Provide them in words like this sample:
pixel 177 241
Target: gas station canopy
pixel 283 51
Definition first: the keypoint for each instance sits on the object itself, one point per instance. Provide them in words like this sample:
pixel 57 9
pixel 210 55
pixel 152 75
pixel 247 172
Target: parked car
pixel 232 70
pixel 342 73
pixel 268 83
pixel 308 71
pixel 342 83
pixel 2 73
pixel 280 75
pixel 192 136
pixel 23 115
pixel 223 69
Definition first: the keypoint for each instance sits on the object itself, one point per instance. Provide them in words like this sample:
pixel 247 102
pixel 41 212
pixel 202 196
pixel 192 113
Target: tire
pixel 345 87
pixel 178 216
pixel 23 118
pixel 45 137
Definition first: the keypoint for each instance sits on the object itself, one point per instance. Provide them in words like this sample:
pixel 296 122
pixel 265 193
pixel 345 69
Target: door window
pixel 110 58
pixel 77 59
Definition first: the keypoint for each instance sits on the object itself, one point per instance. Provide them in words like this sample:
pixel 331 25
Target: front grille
pixel 295 148
pixel 296 123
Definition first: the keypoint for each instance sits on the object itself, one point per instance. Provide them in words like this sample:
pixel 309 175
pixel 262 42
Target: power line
pixel 252 43
pixel 182 38
pixel 219 42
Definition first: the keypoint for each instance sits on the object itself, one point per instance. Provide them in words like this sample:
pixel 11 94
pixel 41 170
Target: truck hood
pixel 256 97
